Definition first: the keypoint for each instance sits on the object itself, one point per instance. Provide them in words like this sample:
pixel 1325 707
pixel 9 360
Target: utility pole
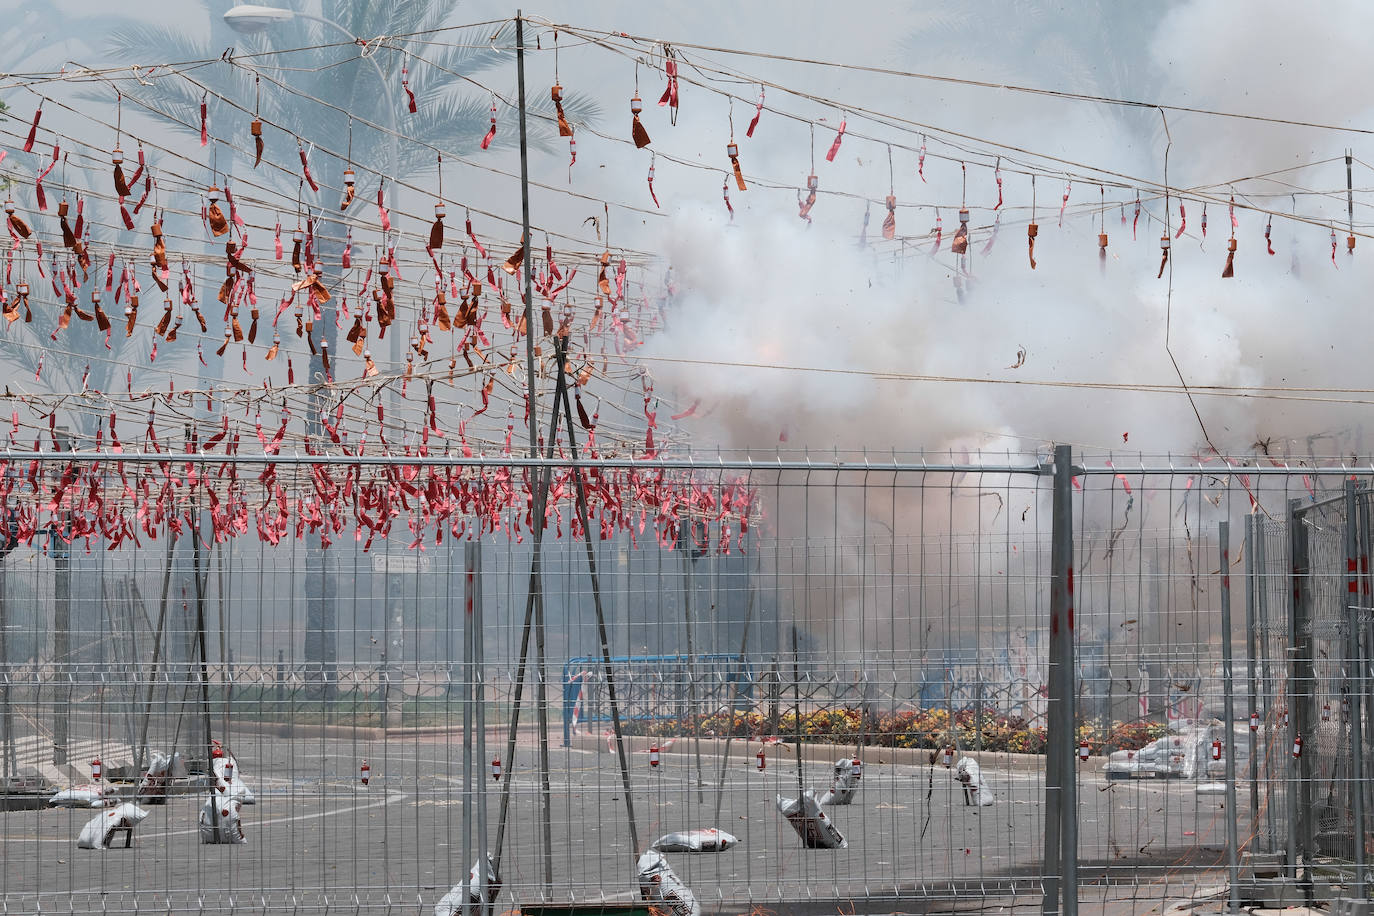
pixel 536 563
pixel 1061 788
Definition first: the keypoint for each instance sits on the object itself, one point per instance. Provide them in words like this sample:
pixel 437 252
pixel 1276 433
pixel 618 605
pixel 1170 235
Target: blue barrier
pixel 653 686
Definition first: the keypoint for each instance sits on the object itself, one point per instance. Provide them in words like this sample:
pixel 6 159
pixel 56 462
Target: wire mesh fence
pixel 880 636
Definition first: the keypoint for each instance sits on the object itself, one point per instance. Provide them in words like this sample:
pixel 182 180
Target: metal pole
pixel 1061 824
pixel 561 391
pixel 1366 639
pixel 1296 551
pixel 1354 674
pixel 1232 840
pixel 479 657
pixel 541 702
pixel 1350 196
pixel 796 717
pixel 1269 696
pixel 540 487
pixel 734 694
pixel 469 590
pixel 200 636
pixel 62 622
pixel 686 541
pixel 525 229
pixel 11 768
pixel 1251 666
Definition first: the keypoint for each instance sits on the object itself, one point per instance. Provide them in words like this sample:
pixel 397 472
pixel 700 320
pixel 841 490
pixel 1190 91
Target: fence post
pixel 1251 664
pixel 1232 867
pixel 1061 808
pixel 1354 672
pixel 470 564
pixel 1299 690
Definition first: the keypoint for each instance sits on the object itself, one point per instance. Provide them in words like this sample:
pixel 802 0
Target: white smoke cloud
pixel 772 291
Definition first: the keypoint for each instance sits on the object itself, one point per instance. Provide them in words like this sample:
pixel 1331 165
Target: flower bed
pixel 920 728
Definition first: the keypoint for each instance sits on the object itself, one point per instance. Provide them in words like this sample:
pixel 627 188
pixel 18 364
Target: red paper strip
pixel 758 111
pixel 835 145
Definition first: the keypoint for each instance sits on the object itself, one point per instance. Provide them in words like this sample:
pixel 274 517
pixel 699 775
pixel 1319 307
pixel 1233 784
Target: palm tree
pixel 451 117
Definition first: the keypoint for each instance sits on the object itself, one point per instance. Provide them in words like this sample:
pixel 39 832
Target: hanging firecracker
pixel 496 769
pixel 564 128
pixel 213 214
pixel 1084 750
pixel 637 130
pixel 491 131
pixel 436 229
pixel 350 180
pixel 365 772
pixel 804 205
pixel 1164 254
pixel 1254 721
pixel 762 760
pixel 1216 750
pixel 959 244
pixel 653 755
pixel 255 129
pixel 732 150
pixel 96 769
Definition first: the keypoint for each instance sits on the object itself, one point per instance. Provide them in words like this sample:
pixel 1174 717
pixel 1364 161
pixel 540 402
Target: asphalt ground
pixel 319 841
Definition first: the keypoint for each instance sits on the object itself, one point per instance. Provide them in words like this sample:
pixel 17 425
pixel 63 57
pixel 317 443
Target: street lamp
pixel 250 18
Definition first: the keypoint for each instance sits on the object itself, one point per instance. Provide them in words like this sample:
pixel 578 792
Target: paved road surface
pixel 319 840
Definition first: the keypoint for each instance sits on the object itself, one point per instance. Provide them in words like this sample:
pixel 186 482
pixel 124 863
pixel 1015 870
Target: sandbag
pixel 220 822
pixel 658 884
pixel 844 783
pixel 970 776
pixel 711 839
pixel 100 829
pixel 810 822
pixel 87 795
pixel 451 904
pixel 152 788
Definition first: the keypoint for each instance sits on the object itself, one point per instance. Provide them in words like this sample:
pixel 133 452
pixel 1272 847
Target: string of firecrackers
pixel 122 502
pixel 599 39
pixel 385 301
pixel 670 92
pixel 218 225
pixel 239 286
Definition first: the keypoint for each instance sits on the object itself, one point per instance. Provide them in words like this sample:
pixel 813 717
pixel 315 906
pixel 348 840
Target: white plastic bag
pixel 87 795
pixel 844 783
pixel 220 821
pixel 810 822
pixel 711 839
pixel 659 884
pixel 100 829
pixel 970 775
pixel 451 904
